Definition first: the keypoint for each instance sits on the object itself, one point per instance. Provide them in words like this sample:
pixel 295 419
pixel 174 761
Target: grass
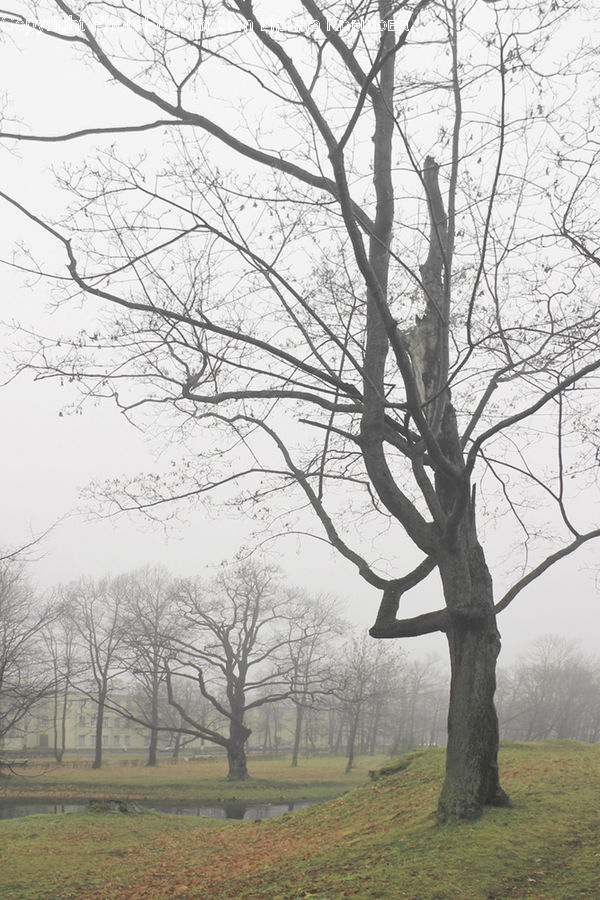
pixel 201 781
pixel 378 842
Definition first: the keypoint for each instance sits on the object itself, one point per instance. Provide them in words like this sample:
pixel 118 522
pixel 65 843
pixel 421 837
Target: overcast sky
pixel 49 457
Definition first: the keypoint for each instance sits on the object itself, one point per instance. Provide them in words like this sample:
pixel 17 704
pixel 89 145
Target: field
pixel 204 779
pixel 378 841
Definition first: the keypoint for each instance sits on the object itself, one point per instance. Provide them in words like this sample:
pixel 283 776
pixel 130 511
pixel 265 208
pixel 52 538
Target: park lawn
pixel 201 781
pixel 378 841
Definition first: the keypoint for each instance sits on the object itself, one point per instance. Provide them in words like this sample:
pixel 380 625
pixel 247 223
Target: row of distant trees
pixel 244 654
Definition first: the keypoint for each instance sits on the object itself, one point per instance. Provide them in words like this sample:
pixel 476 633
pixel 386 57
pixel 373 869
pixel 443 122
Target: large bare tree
pixel 338 259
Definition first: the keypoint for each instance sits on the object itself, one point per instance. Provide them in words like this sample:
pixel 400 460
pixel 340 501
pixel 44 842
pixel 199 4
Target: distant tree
pixel 554 692
pixel 150 621
pixel 315 624
pixel 422 698
pixel 234 631
pixel 60 643
pixel 25 677
pixel 98 609
pixel 363 682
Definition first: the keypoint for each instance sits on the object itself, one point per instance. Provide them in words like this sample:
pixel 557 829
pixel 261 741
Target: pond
pixel 227 810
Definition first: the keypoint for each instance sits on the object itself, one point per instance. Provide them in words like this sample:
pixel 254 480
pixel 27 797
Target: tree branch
pixel 543 567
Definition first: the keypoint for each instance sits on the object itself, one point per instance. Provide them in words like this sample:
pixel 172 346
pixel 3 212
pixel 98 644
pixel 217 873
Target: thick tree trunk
pixel 236 751
pixel 236 758
pixel 472 780
pixel 153 748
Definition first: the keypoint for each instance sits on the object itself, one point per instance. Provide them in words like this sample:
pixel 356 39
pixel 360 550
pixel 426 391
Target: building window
pixel 117 740
pixel 128 740
pixel 81 740
pixel 92 740
pixel 82 721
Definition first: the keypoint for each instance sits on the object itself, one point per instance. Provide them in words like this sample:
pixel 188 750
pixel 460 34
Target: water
pixel 228 810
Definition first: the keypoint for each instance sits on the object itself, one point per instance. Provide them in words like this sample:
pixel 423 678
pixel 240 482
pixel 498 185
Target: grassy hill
pixel 379 841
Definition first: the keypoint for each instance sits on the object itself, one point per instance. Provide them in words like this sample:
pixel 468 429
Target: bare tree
pixel 421 696
pixel 315 624
pixel 98 610
pixel 364 680
pixel 24 677
pixel 349 268
pixel 150 622
pixel 552 693
pixel 235 631
pixel 60 642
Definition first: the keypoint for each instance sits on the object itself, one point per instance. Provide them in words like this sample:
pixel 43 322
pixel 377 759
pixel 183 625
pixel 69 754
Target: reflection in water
pixel 230 809
pixel 234 809
pixel 16 810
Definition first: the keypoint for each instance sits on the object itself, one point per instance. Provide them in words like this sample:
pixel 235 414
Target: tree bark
pixel 472 780
pixel 297 733
pixel 97 764
pixel 236 751
pixel 354 720
pixel 153 746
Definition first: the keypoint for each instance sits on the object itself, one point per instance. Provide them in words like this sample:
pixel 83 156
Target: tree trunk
pixel 374 730
pixel 472 780
pixel 97 764
pixel 354 720
pixel 297 734
pixel 153 746
pixel 267 742
pixel 63 724
pixel 236 751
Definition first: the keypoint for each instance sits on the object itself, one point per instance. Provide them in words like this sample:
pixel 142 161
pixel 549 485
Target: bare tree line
pixel 244 656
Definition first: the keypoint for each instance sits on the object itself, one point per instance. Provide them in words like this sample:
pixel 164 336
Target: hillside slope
pixel 378 842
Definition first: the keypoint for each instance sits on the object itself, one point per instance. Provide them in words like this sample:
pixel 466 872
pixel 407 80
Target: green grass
pixel 379 842
pixel 202 781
